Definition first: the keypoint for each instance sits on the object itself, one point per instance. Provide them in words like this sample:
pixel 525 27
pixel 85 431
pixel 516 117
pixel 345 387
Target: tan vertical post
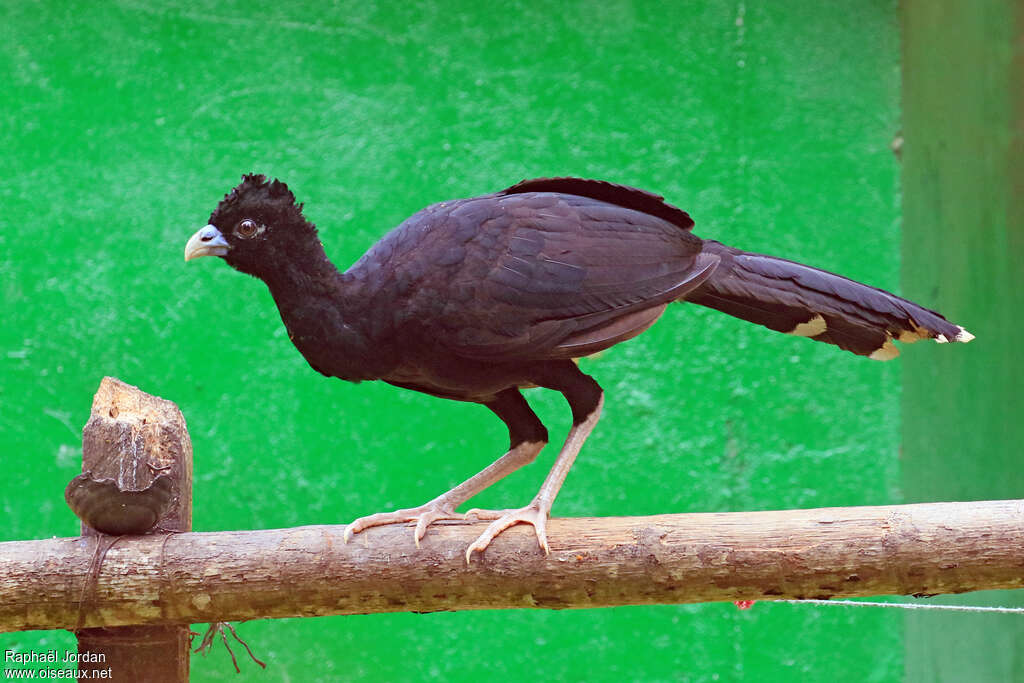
pixel 131 438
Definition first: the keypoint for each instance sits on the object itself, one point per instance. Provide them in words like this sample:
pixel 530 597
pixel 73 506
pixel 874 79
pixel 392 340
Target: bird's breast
pixel 333 345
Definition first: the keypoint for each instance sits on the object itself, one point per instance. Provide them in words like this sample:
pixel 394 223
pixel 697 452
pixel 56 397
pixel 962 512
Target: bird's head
pixel 257 228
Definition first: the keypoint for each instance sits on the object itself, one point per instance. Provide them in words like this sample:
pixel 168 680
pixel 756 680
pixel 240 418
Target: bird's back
pixel 511 276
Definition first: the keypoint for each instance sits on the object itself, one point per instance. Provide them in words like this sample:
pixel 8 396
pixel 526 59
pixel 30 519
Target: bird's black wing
pixel 537 274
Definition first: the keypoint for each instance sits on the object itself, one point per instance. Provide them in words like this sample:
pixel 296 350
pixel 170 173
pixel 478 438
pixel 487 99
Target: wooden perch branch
pixel 308 571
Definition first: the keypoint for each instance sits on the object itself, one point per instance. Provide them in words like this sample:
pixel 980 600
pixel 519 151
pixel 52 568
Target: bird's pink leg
pixel 443 507
pixel 536 513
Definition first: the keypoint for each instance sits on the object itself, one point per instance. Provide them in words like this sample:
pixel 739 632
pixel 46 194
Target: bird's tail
pixel 796 299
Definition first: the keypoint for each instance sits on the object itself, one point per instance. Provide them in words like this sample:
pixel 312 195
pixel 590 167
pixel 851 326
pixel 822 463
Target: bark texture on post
pixel 309 571
pixel 131 438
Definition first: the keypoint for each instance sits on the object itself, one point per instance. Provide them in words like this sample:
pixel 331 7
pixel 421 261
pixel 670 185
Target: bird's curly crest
pixel 270 197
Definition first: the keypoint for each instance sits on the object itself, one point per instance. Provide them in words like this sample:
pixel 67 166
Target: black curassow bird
pixel 475 299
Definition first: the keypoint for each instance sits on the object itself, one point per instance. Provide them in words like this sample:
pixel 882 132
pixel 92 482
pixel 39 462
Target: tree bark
pixel 309 571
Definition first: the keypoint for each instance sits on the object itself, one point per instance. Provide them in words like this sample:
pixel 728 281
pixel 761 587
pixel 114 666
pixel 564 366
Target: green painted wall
pixel 963 248
pixel 122 124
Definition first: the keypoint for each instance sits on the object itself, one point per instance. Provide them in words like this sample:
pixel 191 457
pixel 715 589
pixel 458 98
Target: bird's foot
pixel 535 513
pixel 424 516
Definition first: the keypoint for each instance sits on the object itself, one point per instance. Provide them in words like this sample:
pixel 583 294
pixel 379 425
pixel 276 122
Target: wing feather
pixel 542 274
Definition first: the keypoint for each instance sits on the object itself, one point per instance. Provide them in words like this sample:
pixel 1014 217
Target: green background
pixel 122 125
pixel 963 248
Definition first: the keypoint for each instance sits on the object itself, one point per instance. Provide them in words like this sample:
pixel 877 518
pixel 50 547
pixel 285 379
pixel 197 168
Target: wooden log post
pixel 132 438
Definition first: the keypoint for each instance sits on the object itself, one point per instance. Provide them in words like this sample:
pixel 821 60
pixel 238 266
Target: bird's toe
pixel 424 516
pixel 481 514
pixel 533 514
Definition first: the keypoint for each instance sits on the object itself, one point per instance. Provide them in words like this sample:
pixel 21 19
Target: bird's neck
pixel 321 310
pixel 305 278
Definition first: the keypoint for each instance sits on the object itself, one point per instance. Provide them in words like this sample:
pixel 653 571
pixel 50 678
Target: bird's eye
pixel 247 228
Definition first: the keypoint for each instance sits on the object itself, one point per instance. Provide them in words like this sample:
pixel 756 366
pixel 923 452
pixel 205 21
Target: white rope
pixel 909 605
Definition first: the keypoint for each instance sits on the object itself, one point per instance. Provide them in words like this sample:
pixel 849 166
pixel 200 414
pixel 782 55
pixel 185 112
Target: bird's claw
pixel 534 514
pixel 424 516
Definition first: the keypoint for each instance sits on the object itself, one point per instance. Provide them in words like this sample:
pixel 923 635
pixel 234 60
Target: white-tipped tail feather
pixel 888 351
pixel 962 336
pixel 806 302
